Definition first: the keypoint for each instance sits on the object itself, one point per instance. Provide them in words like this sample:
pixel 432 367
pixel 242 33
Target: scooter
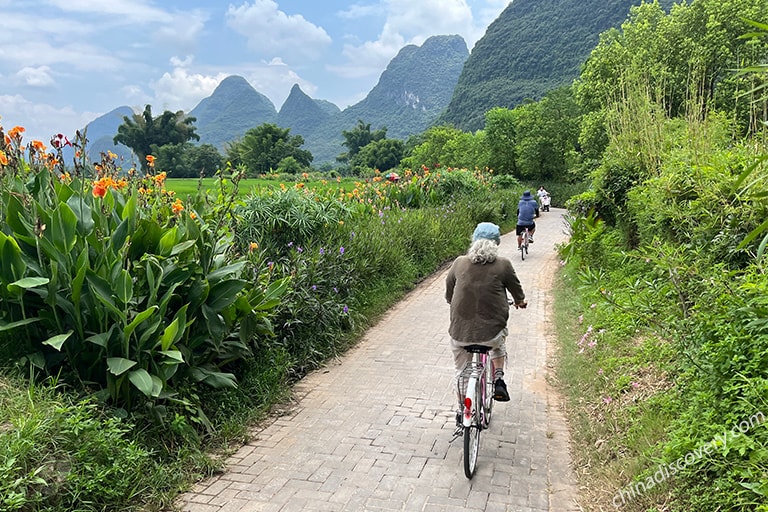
pixel 545 199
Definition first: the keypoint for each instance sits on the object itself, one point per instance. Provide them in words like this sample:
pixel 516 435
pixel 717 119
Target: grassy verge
pixel 617 380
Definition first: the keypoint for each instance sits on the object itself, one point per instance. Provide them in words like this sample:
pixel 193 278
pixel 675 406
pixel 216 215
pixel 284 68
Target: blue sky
pixel 65 62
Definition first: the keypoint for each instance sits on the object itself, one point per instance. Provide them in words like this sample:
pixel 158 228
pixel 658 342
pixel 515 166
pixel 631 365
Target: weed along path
pixel 371 431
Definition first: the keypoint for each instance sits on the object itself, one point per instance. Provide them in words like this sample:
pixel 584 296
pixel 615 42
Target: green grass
pixel 189 186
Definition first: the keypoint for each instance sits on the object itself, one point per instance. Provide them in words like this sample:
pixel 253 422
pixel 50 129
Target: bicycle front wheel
pixel 471 449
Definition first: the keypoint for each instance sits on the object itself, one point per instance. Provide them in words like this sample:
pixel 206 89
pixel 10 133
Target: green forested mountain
pixel 302 114
pixel 233 108
pixel 411 93
pixel 532 47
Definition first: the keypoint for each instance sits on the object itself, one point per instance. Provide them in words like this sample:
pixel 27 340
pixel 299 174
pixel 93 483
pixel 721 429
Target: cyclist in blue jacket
pixel 527 210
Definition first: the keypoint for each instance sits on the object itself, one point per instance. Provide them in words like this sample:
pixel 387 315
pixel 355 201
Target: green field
pixel 189 186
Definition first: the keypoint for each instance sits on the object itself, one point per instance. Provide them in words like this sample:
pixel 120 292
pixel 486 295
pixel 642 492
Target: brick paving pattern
pixel 371 431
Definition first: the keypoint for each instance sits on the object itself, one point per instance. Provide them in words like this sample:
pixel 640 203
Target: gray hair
pixel 483 251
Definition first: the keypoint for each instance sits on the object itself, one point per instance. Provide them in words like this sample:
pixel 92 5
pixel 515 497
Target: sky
pixel 63 63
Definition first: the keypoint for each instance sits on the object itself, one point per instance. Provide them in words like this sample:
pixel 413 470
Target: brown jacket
pixel 477 293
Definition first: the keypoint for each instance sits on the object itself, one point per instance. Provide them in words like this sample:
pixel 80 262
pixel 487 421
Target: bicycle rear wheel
pixel 471 448
pixel 472 433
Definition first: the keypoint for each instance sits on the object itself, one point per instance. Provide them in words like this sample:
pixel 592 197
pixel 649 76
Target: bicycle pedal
pixel 459 432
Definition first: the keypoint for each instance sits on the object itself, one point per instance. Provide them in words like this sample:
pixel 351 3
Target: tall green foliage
pixel 121 289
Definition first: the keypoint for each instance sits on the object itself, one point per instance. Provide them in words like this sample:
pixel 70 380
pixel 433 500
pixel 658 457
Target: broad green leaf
pixel 142 380
pixel 183 246
pixel 58 341
pixel 28 282
pixel 36 359
pixel 213 378
pixel 174 355
pixel 103 293
pixel 167 242
pixel 13 325
pixel 274 292
pixel 119 365
pixel 12 264
pixel 119 236
pixel 83 213
pixel 219 273
pixel 129 210
pixel 124 287
pixel 169 335
pixel 128 330
pixel 63 229
pixel 101 339
pixel 14 213
pixel 224 293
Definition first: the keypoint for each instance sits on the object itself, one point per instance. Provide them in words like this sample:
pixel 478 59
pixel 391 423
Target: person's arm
pixel 512 284
pixel 450 284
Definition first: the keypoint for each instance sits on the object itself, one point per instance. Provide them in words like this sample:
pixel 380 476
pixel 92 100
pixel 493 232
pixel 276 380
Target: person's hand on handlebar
pixel 521 305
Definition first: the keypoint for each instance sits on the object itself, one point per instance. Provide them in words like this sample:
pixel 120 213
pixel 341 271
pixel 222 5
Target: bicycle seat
pixel 477 349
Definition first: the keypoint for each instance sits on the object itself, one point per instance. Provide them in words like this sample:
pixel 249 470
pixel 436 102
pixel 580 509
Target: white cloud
pixel 181 90
pixel 181 31
pixel 357 11
pixel 35 77
pixel 406 22
pixel 273 33
pixel 37 118
pixel 123 11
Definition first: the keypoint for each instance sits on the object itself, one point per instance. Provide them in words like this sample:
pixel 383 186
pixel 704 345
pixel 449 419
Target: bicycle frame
pixel 477 375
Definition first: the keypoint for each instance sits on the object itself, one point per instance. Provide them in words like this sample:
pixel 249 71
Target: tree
pixel 142 131
pixel 383 154
pixel 263 148
pixel 445 146
pixel 187 160
pixel 358 138
pixel 500 140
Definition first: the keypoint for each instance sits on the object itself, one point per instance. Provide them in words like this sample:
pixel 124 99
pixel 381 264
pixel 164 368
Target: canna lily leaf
pixel 58 341
pixel 142 380
pixel 82 213
pixel 13 325
pixel 124 287
pixel 167 242
pixel 63 229
pixel 224 293
pixel 128 330
pixel 100 339
pixel 11 261
pixel 28 282
pixel 174 356
pixel 214 379
pixel 169 334
pixel 119 365
pixel 183 246
pixel 272 295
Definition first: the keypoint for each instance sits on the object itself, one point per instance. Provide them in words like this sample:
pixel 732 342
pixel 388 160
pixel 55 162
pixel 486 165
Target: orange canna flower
pixel 3 158
pixel 177 207
pixel 15 132
pixel 192 215
pixel 99 190
pixel 253 246
pixel 151 160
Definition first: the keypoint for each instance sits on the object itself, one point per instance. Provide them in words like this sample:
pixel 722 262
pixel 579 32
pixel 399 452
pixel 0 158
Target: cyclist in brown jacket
pixel 476 289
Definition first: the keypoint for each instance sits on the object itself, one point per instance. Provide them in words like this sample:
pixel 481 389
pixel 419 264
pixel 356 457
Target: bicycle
pixel 524 245
pixel 475 384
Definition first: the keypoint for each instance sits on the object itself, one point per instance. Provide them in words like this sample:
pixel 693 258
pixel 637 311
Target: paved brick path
pixel 371 431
